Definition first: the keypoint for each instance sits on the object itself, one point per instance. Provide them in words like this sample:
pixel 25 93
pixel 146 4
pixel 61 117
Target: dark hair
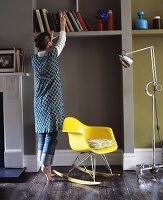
pixel 42 40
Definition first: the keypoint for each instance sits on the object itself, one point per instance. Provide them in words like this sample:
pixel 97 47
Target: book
pixel 74 14
pixel 43 20
pixel 19 60
pixel 56 21
pixel 89 27
pixel 17 54
pixel 51 22
pixel 68 22
pixel 66 25
pixel 81 21
pixel 73 21
pixel 40 21
pixel 36 27
pixel 45 13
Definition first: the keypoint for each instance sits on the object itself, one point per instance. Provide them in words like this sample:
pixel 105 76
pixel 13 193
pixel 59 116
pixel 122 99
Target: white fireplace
pixel 11 87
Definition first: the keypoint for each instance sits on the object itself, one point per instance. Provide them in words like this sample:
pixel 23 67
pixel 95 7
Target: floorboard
pixel 124 187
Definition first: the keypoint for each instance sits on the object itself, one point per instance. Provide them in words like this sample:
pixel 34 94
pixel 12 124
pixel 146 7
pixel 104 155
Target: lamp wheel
pixel 154 170
pixel 139 177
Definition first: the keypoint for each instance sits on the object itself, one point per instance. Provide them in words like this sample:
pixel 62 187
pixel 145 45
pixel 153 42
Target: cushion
pixel 101 143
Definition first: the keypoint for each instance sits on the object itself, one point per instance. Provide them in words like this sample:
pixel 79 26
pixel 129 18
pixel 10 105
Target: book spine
pixel 81 21
pixel 18 60
pixel 36 27
pixel 68 21
pixel 45 13
pixel 74 14
pixel 40 21
pixel 22 63
pixel 89 27
pixel 74 21
pixel 43 20
pixel 56 21
pixel 66 25
pixel 51 22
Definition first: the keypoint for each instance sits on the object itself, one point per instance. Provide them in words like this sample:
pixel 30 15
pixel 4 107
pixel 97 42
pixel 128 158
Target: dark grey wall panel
pixel 92 81
pixel 17 31
pixel 90 70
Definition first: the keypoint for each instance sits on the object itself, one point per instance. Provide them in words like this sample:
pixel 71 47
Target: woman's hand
pixel 52 35
pixel 62 21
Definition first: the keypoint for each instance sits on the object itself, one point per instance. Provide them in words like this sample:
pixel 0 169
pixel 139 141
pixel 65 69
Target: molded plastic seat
pixel 84 139
pixel 79 134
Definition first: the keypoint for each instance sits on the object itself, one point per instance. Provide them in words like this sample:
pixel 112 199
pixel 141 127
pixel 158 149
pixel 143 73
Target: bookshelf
pixel 87 13
pixel 94 82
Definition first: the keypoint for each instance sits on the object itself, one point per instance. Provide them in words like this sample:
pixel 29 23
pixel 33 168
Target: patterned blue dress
pixel 48 98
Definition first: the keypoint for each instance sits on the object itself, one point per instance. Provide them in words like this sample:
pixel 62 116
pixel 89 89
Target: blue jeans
pixel 46 147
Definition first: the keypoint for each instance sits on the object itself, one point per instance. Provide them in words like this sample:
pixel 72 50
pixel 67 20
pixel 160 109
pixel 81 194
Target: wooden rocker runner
pixel 89 141
pixel 83 182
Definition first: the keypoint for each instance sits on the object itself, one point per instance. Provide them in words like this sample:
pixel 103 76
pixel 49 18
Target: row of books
pixel 48 21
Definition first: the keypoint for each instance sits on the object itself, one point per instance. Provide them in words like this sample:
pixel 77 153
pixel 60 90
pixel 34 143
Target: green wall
pixel 142 75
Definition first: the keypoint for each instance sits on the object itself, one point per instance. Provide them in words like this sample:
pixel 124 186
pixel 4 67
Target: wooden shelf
pixel 90 33
pixel 149 32
pixel 94 33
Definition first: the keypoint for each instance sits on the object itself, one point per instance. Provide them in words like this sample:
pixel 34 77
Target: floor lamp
pixel 127 62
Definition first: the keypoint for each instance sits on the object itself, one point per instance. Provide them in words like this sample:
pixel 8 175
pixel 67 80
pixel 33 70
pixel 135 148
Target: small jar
pixel 157 22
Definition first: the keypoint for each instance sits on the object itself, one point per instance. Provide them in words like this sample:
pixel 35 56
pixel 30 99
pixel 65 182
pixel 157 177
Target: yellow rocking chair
pixel 90 141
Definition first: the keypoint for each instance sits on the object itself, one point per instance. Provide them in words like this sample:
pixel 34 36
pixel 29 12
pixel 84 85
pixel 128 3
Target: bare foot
pixel 47 173
pixel 50 170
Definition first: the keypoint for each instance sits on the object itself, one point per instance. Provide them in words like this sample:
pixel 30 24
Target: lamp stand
pixel 127 62
pixel 153 168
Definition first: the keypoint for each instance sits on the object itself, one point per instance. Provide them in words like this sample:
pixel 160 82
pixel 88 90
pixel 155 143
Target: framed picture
pixel 7 60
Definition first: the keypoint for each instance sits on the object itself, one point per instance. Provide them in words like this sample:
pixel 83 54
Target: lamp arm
pixel 154 74
pixel 139 50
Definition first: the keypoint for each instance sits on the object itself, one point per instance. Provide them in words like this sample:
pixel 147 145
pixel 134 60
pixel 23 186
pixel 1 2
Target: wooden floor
pixel 125 187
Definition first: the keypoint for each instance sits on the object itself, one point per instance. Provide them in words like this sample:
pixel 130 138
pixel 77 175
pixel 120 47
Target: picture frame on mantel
pixel 7 60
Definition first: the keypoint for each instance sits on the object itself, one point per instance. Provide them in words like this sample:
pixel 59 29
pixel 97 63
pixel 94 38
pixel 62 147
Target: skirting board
pixel 141 156
pixel 144 156
pixel 128 160
pixel 67 157
pixel 13 158
pixel 30 163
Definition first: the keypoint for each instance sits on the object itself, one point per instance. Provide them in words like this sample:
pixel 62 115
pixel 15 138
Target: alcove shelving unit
pixel 94 83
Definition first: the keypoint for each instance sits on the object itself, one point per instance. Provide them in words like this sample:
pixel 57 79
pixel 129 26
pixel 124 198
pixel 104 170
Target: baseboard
pixel 141 156
pixel 67 157
pixel 31 163
pixel 13 158
pixel 144 156
pixel 128 160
